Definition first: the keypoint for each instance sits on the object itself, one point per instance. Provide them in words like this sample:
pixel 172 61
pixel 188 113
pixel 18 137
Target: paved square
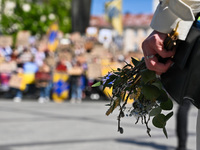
pixel 30 125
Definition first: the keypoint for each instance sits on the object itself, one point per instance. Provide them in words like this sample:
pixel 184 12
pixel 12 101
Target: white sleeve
pixel 170 12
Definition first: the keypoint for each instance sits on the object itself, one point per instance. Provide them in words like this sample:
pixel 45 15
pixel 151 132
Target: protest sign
pixel 23 38
pixel 6 41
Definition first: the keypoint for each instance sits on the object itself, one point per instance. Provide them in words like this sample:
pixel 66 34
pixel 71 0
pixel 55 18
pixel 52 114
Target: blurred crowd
pixel 23 69
pixel 65 73
pixel 57 75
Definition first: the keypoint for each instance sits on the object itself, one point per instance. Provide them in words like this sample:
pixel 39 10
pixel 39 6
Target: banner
pixel 60 87
pixel 53 37
pixel 114 14
pixel 17 81
pixel 6 41
pixel 23 38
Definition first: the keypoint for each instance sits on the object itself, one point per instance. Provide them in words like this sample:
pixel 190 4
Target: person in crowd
pixel 6 68
pixel 19 91
pixel 14 55
pixel 79 49
pixel 24 56
pixel 76 82
pixel 39 57
pixel 61 66
pixel 50 61
pixel 43 78
pixel 28 73
pixel 6 52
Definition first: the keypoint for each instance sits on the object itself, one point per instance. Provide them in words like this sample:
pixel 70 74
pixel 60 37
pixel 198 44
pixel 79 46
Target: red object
pixel 61 67
pixel 42 76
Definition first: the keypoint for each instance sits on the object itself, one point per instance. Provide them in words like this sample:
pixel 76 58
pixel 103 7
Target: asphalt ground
pixel 30 125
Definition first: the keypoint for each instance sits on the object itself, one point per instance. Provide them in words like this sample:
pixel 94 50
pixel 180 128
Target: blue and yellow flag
pixel 60 87
pixel 114 14
pixel 53 37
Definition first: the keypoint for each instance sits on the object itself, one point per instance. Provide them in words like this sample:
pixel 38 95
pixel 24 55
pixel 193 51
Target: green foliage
pixel 150 92
pixel 155 111
pixel 138 83
pixel 166 105
pixel 96 84
pixel 147 75
pixel 38 18
pixel 163 97
pixel 159 121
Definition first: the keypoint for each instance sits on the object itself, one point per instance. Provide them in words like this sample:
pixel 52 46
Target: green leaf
pixel 148 75
pixel 168 105
pixel 159 121
pixel 150 92
pixel 169 115
pixel 163 96
pixel 97 84
pixel 155 111
pixel 158 84
pixel 134 61
pixel 165 132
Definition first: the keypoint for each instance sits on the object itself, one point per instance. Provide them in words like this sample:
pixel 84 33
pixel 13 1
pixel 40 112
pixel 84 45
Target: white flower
pixel 9 5
pixel 26 7
pixel 43 18
pixel 9 8
pixel 15 26
pixel 52 16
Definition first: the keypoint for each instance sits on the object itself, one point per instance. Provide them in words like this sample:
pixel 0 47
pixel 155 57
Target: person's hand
pixel 152 46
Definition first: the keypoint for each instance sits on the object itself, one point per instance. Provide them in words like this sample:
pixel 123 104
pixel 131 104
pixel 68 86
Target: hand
pixel 153 45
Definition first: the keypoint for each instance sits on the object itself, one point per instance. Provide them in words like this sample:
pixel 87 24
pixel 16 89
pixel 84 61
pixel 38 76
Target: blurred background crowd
pixel 56 52
pixel 65 73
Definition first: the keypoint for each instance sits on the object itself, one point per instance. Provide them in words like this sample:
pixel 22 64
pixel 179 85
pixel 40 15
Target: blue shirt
pixel 30 67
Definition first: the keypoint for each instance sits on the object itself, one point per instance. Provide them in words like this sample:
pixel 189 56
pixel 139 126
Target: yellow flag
pixel 53 37
pixel 114 14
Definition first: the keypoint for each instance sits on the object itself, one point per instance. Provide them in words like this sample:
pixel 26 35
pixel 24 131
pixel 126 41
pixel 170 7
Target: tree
pixel 36 16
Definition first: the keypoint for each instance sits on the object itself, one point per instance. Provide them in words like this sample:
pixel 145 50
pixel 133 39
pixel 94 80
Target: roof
pixel 129 20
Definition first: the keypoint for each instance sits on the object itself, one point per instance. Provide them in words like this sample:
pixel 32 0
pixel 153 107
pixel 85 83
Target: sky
pixel 131 6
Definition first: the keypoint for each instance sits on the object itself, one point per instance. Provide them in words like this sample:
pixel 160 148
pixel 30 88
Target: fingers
pixel 163 52
pixel 155 65
pixel 152 46
pixel 156 43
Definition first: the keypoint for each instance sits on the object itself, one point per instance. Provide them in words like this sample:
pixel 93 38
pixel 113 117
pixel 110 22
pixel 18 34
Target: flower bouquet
pixel 135 81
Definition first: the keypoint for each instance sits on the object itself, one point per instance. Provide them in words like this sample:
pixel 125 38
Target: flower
pixel 138 83
pixel 43 18
pixel 26 7
pixel 52 16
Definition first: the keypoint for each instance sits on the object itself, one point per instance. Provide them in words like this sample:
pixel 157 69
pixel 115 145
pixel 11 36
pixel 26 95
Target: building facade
pixel 135 29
